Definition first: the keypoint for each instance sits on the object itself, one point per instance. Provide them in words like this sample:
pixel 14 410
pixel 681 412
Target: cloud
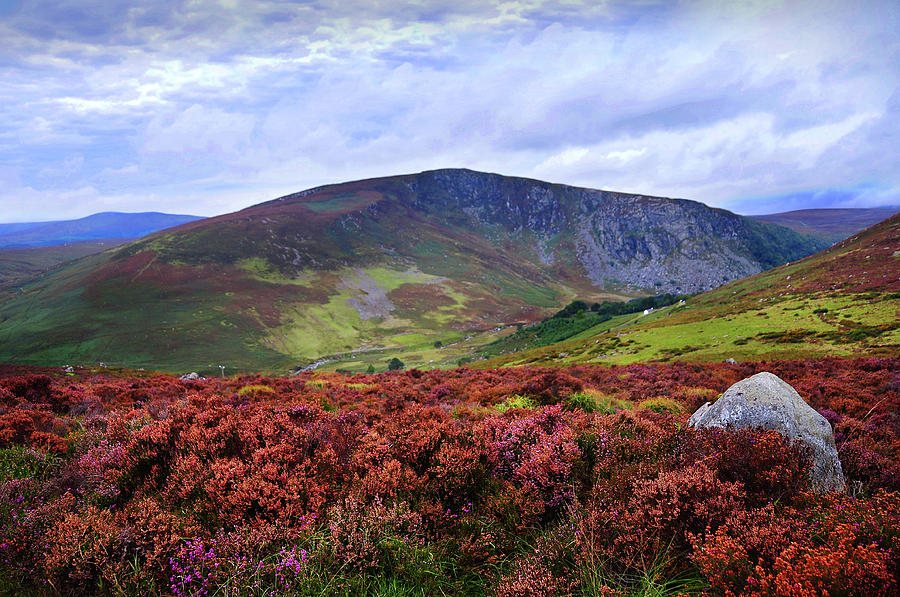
pixel 200 131
pixel 208 106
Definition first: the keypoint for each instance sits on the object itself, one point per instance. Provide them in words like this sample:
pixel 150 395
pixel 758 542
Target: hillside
pixel 398 263
pixel 100 226
pixel 844 301
pixel 21 265
pixel 831 224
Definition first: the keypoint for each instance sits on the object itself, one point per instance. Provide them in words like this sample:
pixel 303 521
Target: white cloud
pixel 211 132
pixel 216 106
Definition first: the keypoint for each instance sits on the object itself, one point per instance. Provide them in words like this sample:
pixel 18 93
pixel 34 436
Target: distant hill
pixel 20 265
pixel 832 224
pixel 396 263
pixel 843 301
pixel 100 226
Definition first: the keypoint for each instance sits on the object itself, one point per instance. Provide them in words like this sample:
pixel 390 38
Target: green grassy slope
pixel 139 311
pixel 844 301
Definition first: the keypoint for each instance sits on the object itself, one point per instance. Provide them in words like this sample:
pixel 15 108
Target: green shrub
pixel 662 405
pixel 592 401
pixel 19 462
pixel 516 401
pixel 359 386
pixel 256 390
pixel 582 401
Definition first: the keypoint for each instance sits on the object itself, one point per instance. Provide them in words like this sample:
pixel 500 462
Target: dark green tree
pixel 395 364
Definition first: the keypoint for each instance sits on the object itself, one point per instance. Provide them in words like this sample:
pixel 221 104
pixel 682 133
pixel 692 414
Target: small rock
pixel 193 375
pixel 765 401
pixel 731 361
pixel 69 369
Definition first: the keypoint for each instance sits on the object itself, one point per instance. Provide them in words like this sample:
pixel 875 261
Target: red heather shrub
pixel 30 427
pixel 874 520
pixel 829 544
pixel 267 464
pixel 532 578
pixel 153 535
pixel 729 556
pixel 49 442
pixel 33 388
pixel 839 568
pixel 546 571
pixel 186 486
pixel 459 472
pixel 628 446
pixel 381 474
pixel 537 451
pixel 552 387
pixel 767 465
pixel 7 398
pixel 684 501
pixel 517 509
pixel 82 549
pixel 658 519
pixel 148 456
pixel 416 435
pixel 373 536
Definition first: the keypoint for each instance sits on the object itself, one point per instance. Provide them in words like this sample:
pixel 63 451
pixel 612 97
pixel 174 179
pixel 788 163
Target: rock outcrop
pixel 672 245
pixel 765 401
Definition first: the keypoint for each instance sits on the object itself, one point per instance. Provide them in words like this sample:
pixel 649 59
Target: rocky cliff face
pixel 670 245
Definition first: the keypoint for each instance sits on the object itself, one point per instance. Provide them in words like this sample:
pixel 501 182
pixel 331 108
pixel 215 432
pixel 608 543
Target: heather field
pixel 583 480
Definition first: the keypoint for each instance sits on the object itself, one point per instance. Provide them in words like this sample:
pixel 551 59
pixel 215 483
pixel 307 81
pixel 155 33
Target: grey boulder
pixel 765 401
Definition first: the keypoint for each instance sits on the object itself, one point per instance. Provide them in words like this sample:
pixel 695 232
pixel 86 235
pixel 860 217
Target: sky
pixel 205 107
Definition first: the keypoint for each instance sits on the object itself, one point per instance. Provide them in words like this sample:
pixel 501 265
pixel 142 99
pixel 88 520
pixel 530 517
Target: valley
pixel 844 301
pixel 390 265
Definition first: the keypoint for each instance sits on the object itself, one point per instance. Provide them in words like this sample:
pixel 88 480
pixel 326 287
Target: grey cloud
pixel 685 99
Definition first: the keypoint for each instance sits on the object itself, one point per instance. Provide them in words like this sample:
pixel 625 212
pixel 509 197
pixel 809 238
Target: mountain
pixel 831 224
pixel 398 263
pixel 843 301
pixel 100 226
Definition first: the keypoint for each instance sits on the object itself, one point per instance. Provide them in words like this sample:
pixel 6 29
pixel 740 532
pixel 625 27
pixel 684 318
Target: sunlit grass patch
pixel 595 401
pixel 662 405
pixel 516 401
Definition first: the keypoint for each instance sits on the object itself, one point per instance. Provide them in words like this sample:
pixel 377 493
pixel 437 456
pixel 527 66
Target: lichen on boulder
pixel 765 401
